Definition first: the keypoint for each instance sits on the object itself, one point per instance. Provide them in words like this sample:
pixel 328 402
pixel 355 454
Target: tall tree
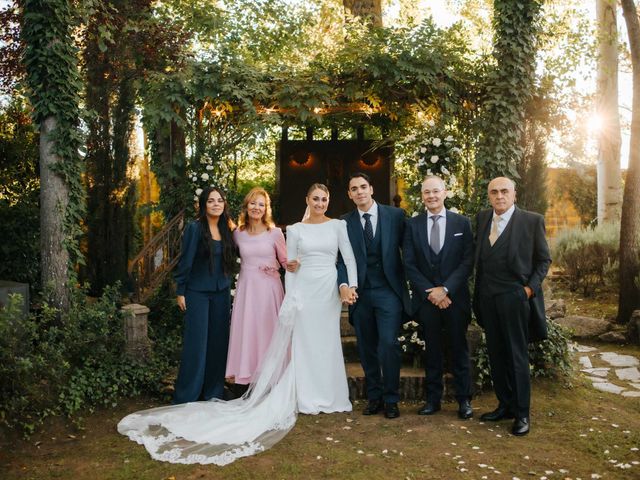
pixel 52 77
pixel 609 179
pixel 629 299
pixel 368 10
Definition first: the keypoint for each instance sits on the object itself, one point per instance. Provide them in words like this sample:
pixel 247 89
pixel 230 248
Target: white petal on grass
pixel 329 439
pixel 359 452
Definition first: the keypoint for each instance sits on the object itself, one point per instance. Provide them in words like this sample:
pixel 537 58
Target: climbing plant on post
pixel 509 88
pixel 53 82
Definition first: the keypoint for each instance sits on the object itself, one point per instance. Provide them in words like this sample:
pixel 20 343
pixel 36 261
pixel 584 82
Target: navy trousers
pixel 377 321
pixel 450 323
pixel 204 346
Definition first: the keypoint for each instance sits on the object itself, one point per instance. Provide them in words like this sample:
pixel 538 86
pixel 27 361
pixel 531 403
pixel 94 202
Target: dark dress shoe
pixel 520 426
pixel 391 410
pixel 373 407
pixel 464 410
pixel 429 408
pixel 498 414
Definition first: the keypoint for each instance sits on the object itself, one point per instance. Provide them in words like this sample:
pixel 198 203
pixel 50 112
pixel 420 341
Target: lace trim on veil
pixel 219 432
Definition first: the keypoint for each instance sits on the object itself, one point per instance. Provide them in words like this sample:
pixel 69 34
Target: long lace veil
pixel 219 432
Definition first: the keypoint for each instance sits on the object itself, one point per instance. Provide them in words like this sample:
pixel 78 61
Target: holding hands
pixel 348 294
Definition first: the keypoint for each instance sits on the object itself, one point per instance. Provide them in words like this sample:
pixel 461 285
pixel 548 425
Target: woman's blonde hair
pixel 267 218
pixel 318 186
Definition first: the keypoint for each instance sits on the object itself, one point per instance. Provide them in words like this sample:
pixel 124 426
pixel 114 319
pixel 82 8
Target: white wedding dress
pixel 302 371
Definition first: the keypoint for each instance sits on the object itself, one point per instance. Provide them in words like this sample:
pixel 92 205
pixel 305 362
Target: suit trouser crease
pixel 452 324
pixel 506 320
pixel 377 320
pixel 205 345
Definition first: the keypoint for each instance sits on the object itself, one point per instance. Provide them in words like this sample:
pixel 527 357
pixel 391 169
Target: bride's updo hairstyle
pixel 318 186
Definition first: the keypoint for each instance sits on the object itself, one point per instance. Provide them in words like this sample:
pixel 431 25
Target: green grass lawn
pixel 577 432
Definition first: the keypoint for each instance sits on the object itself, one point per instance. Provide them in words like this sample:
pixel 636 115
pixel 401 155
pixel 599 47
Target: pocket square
pixel 457 234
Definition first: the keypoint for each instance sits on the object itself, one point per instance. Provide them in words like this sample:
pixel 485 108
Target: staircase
pixel 158 257
pixel 411 378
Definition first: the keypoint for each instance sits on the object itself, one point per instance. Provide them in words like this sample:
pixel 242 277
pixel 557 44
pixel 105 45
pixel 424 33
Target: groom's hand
pixel 348 294
pixel 436 295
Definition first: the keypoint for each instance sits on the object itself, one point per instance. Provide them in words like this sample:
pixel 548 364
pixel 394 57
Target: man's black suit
pixel 450 268
pixel 518 258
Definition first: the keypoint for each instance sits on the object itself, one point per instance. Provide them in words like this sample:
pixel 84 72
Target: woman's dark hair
pixel 225 226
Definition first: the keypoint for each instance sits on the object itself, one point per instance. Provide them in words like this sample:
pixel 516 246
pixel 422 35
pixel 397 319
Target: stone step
pixel 350 349
pixel 346 329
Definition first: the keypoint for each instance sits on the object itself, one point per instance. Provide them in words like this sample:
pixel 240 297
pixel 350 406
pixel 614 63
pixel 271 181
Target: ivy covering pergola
pixel 386 79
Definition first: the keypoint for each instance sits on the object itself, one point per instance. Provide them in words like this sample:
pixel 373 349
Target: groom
pixel 376 232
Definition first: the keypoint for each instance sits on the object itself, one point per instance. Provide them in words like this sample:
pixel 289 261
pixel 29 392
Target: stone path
pixel 609 371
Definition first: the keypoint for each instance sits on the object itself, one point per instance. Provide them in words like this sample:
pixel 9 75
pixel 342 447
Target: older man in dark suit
pixel 512 259
pixel 376 232
pixel 438 256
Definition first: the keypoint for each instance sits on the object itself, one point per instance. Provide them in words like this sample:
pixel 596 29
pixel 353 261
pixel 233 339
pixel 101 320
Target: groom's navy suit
pixel 377 314
pixel 449 268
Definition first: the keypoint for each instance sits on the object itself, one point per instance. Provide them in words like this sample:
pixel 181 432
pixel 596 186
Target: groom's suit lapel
pixel 356 235
pixel 384 230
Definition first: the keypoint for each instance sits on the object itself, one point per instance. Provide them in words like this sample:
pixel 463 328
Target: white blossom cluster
pixel 209 174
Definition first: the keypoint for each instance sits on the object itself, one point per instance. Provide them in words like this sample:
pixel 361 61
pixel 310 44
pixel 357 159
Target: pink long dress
pixel 257 300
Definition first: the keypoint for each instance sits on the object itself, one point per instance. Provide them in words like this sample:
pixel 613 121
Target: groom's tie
pixel 368 228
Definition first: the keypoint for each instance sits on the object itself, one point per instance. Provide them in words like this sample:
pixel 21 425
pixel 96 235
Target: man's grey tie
pixel 368 228
pixel 434 242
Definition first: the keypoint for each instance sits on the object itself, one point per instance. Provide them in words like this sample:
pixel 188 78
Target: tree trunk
pixel 609 179
pixel 630 221
pixel 54 198
pixel 368 10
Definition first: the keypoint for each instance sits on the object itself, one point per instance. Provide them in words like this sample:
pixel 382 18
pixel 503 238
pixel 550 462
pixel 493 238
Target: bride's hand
pixel 348 295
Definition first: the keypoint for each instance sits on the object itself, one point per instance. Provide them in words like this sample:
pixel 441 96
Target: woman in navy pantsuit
pixel 202 284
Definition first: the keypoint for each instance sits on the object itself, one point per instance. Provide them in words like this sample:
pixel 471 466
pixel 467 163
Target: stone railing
pixel 158 257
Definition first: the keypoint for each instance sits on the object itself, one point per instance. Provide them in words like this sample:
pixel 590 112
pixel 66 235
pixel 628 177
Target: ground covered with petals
pixel 578 432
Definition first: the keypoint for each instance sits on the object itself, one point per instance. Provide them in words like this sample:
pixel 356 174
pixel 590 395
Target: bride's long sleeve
pixel 347 254
pixel 292 254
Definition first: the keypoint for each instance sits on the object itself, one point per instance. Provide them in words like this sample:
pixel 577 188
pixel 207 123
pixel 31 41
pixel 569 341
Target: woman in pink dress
pixel 259 290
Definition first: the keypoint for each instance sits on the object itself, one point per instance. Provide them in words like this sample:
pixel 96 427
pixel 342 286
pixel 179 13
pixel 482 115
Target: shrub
pixel 589 256
pixel 549 358
pixel 54 363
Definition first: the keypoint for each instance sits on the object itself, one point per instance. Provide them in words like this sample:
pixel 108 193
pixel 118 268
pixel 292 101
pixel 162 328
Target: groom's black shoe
pixel 373 407
pixel 429 408
pixel 499 413
pixel 464 410
pixel 391 410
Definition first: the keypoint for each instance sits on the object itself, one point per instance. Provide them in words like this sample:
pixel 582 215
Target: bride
pixel 302 371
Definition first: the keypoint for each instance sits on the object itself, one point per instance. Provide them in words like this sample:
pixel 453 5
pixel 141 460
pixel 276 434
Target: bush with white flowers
pixel 434 150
